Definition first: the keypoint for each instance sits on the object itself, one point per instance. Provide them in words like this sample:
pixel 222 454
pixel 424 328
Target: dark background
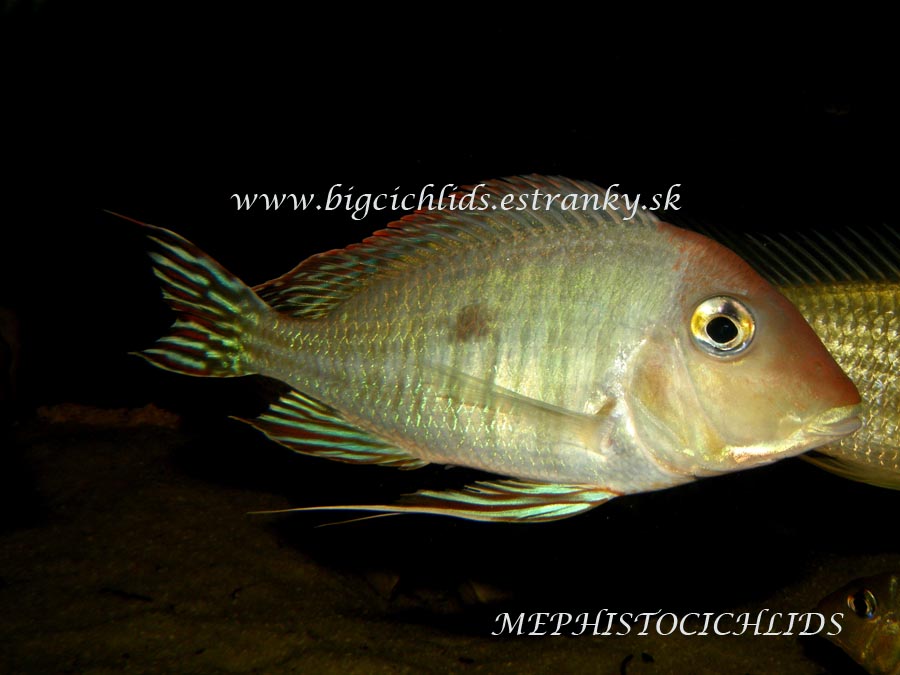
pixel 162 116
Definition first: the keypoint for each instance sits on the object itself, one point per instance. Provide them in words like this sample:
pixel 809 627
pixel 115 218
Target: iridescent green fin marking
pixel 865 472
pixel 323 281
pixel 306 425
pixel 505 501
pixel 213 309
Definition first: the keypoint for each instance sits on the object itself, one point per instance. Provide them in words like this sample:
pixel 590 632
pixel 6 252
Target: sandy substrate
pixel 127 547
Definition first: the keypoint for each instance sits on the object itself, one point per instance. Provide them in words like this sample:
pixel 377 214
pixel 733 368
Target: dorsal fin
pixel 812 256
pixel 321 282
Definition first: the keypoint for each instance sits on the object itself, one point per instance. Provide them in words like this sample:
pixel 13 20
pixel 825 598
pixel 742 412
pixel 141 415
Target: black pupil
pixel 721 330
pixel 862 603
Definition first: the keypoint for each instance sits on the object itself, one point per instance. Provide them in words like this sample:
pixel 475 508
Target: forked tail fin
pixel 215 311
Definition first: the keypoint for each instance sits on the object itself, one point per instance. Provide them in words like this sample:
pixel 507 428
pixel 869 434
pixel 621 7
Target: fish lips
pixel 829 426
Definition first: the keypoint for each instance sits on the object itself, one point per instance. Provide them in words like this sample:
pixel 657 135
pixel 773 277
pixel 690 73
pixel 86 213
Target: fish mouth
pixel 836 423
pixel 831 425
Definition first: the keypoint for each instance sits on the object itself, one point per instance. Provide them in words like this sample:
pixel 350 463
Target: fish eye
pixel 722 326
pixel 863 603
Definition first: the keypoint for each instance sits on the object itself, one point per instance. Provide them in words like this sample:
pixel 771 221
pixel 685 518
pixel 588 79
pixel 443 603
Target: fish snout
pixel 837 422
pixel 822 429
pixel 833 404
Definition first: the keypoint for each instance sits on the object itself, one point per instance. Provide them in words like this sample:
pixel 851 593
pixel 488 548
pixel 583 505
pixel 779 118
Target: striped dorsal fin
pixel 813 256
pixel 496 214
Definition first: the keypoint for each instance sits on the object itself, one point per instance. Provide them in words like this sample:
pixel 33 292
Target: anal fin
pixel 505 500
pixel 308 426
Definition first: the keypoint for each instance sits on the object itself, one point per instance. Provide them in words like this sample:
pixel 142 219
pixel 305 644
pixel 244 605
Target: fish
pixel 870 622
pixel 575 354
pixel 847 286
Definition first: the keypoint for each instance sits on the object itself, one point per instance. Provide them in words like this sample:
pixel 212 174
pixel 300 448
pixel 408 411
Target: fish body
pixel 859 322
pixel 870 625
pixel 847 286
pixel 580 355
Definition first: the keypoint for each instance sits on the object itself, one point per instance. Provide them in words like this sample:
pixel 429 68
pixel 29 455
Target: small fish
pixel 847 286
pixel 870 626
pixel 578 354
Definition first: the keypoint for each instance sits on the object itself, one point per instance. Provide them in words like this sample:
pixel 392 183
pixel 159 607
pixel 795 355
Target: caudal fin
pixel 215 311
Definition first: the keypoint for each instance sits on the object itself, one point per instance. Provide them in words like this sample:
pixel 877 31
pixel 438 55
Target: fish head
pixel 869 621
pixel 735 377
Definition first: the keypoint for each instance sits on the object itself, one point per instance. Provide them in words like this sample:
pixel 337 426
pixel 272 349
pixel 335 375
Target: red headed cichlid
pixel 578 355
pixel 847 286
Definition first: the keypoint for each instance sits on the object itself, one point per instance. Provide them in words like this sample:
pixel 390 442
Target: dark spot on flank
pixel 473 322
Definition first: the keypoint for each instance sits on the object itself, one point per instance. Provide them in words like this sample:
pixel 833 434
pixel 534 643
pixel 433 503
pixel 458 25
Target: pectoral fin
pixel 565 426
pixel 506 501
